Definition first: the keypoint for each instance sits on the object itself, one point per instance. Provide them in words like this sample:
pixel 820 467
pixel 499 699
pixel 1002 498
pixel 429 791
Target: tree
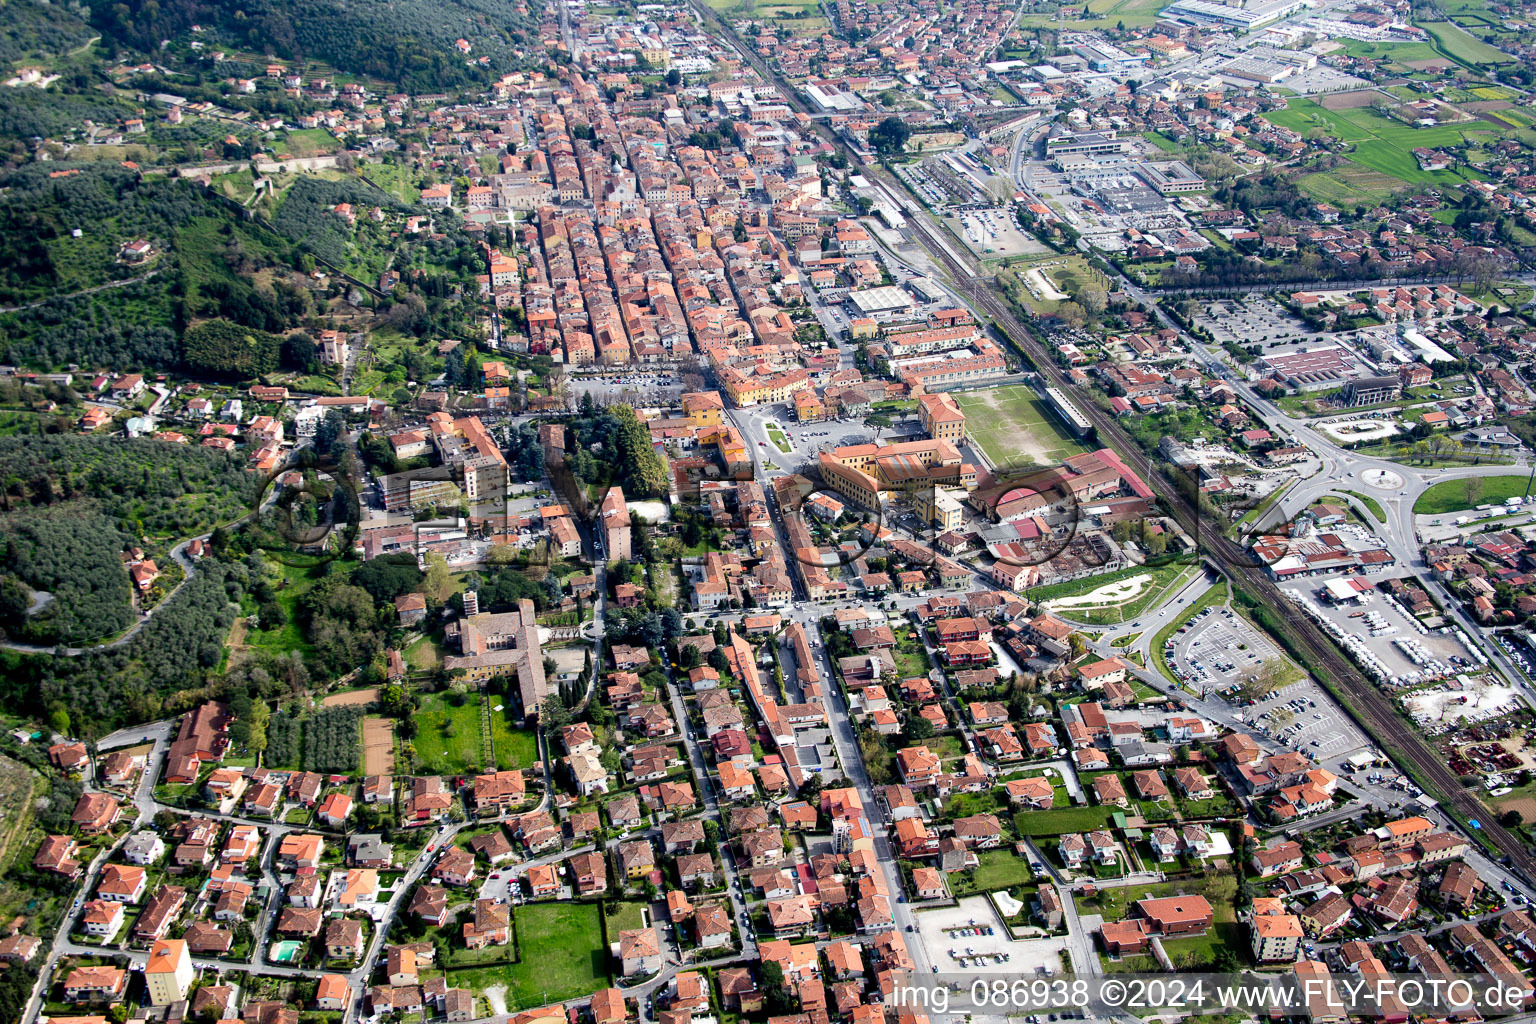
pixel 437 584
pixel 1071 313
pixel 918 729
pixel 554 715
pixel 1271 675
pixel 1511 819
pixel 1093 299
pixel 674 78
pixel 1472 489
pixel 889 137
pixel 328 431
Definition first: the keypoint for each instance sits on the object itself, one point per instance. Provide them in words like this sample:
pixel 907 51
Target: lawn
pixel 1115 904
pixel 1460 495
pixel 1459 45
pixel 1380 143
pixel 997 869
pixel 1058 822
pixel 1088 584
pixel 1399 52
pixel 1370 503
pixel 779 440
pixel 447 738
pixel 304 142
pixel 1015 427
pixel 560 956
pixel 627 916
pixel 515 748
pixel 1189 953
pixel 1165 580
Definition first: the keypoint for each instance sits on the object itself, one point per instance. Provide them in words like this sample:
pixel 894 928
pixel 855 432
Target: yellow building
pixel 763 390
pixel 703 408
pixel 942 418
pixel 862 472
pixel 938 508
pixel 862 327
pixel 168 974
pixel 808 407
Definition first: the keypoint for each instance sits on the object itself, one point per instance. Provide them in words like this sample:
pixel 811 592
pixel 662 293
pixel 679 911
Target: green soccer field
pixel 1015 427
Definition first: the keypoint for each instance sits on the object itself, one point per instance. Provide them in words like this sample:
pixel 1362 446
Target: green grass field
pixel 447 737
pixel 1461 45
pixel 1380 143
pixel 1057 822
pixel 560 956
pixel 1370 503
pixel 304 142
pixel 1102 14
pixel 1165 580
pixel 1015 427
pixel 1452 495
pixel 1398 52
pixel 997 869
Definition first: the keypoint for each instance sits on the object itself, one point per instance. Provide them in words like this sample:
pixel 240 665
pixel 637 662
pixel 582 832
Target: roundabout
pixel 1382 479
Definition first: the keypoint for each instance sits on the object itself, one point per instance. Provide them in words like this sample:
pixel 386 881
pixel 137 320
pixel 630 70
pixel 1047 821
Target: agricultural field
pixel 1014 426
pixel 1380 143
pixel 328 741
pixel 1460 45
pixel 1100 14
pixel 1350 185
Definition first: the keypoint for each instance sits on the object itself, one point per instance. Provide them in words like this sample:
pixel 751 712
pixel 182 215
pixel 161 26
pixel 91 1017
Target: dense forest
pixel 204 265
pixel 76 556
pixel 33 31
pixel 614 447
pixel 409 42
pixel 162 670
pixel 149 488
pixel 223 349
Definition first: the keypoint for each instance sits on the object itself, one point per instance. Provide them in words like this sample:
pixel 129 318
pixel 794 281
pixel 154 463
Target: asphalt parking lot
pixel 1254 318
pixel 983 954
pixel 641 388
pixel 1219 648
pixel 1222 648
pixel 1317 726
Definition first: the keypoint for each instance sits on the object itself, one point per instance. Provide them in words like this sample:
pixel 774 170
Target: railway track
pixel 1371 709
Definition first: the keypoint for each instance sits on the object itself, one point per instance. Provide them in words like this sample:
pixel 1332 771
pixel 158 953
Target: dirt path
pixel 341 700
pixel 378 745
